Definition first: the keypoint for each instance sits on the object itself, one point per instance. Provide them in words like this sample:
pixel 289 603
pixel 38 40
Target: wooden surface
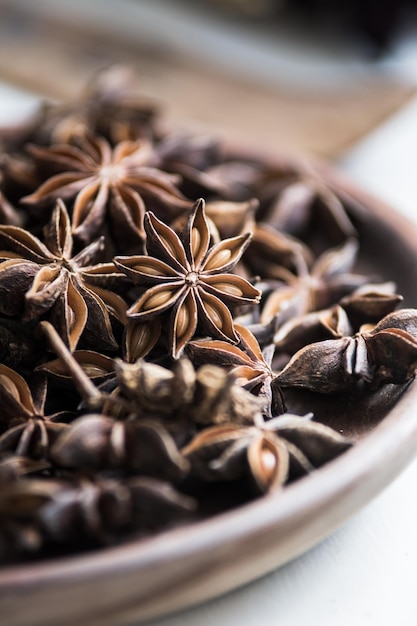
pixel 56 56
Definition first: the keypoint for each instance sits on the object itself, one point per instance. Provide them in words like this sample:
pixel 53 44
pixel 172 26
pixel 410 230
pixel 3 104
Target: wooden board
pixel 56 57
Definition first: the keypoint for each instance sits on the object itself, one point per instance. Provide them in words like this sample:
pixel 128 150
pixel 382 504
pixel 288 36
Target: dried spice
pixel 151 340
pixel 38 279
pixel 309 210
pixel 117 183
pixel 188 278
pixel 330 279
pixel 251 367
pixel 385 354
pixel 269 451
pixel 204 396
pixel 27 431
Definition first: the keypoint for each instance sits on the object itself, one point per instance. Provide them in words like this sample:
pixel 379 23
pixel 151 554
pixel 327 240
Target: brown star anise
pixel 29 431
pixel 329 279
pixel 98 367
pixel 204 396
pixel 38 513
pixel 269 452
pixel 309 210
pixel 189 156
pixel 359 310
pixel 8 214
pixel 385 353
pixel 250 365
pixel 118 183
pixel 42 279
pixel 98 511
pixel 97 442
pixel 188 278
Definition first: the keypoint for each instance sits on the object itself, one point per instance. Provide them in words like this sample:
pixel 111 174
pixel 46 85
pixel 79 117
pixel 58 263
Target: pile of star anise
pixel 170 312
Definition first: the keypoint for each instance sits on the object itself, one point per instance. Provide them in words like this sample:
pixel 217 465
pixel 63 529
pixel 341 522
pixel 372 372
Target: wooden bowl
pixel 182 567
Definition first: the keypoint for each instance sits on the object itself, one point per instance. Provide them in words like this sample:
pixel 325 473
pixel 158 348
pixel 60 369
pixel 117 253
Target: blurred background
pixel 310 75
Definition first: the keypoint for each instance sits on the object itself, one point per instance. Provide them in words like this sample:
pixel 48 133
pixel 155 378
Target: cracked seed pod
pixel 269 453
pixel 205 396
pixel 95 443
pixel 156 390
pixel 385 354
pixel 217 399
pixel 331 323
pixel 326 366
pixel 97 513
pixel 97 366
pixel 248 364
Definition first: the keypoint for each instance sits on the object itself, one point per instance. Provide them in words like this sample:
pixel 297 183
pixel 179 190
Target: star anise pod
pixel 29 432
pixel 274 255
pixel 189 280
pixel 370 303
pixel 39 279
pixel 190 156
pixel 39 514
pixel 97 366
pixel 308 209
pixel 118 183
pixel 246 361
pixel 300 331
pixel 357 312
pixel 204 396
pixel 330 279
pixel 269 453
pixel 8 214
pixel 96 442
pixel 96 512
pixel 386 353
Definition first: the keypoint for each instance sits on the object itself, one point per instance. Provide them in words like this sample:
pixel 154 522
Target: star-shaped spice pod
pixel 310 210
pixel 29 432
pixel 270 452
pixel 386 353
pixel 44 279
pixel 104 182
pixel 189 279
pixel 330 278
pixel 250 365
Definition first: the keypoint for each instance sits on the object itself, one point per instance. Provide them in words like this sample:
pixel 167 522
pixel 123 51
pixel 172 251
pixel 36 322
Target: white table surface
pixel 365 574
